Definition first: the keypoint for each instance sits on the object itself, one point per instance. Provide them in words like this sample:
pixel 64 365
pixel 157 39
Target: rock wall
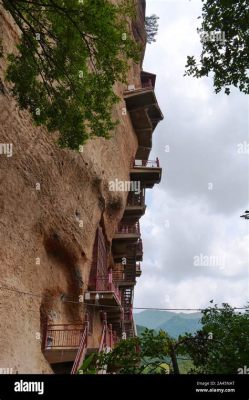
pixel 51 202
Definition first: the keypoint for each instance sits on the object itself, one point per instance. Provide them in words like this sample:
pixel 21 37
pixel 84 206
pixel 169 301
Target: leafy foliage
pixel 88 366
pixel 151 26
pixel 228 60
pixel 222 345
pixel 123 359
pixel 140 355
pixel 69 57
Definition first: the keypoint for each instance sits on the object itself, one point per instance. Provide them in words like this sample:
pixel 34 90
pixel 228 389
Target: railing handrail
pixel 52 325
pixel 128 227
pixel 116 290
pixel 103 340
pixel 61 338
pixel 101 345
pixel 82 347
pixel 107 332
pixel 136 198
pixel 146 163
pixel 147 84
pixel 139 88
pixel 108 285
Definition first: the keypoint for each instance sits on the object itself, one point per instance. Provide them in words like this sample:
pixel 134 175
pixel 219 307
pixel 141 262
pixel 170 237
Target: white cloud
pixel 183 217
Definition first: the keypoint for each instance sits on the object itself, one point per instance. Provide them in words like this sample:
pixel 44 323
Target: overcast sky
pixel 205 186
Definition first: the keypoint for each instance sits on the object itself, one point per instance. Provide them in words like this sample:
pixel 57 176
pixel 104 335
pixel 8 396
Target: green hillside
pixel 173 323
pixel 140 329
pixel 152 318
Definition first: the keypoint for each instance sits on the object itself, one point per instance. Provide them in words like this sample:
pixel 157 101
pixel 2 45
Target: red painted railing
pixel 82 348
pixel 105 284
pixel 128 228
pixel 63 335
pixel 107 337
pixel 146 163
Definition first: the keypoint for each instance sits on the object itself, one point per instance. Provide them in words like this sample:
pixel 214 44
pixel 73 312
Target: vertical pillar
pixel 110 279
pixel 110 336
pixel 86 326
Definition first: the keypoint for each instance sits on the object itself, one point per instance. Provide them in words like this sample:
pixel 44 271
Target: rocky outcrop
pixel 51 203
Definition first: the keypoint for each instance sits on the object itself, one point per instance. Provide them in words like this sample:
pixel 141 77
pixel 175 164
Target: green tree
pixel 228 60
pixel 222 345
pixel 151 26
pixel 149 353
pixel 69 57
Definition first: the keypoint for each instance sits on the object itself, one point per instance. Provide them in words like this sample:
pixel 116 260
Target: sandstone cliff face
pixel 51 202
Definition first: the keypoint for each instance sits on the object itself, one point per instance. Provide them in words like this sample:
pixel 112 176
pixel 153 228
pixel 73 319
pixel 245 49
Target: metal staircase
pixel 127 302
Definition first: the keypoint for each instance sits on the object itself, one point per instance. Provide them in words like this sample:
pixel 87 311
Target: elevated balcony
pixel 106 343
pixel 148 79
pixel 144 111
pixel 146 171
pixel 68 344
pixel 138 270
pixel 104 292
pixel 128 250
pixel 125 275
pixel 128 232
pixel 139 250
pixel 135 206
pixel 61 342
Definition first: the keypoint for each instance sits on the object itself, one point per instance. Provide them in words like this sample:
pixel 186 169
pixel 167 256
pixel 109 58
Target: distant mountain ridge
pixel 174 323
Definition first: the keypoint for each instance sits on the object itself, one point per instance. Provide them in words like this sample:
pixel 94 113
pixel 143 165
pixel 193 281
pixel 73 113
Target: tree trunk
pixel 174 360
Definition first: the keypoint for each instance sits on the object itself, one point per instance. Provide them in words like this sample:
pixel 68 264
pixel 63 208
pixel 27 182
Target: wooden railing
pixel 147 84
pixel 125 273
pixel 105 284
pixel 127 228
pixel 146 163
pixel 136 199
pixel 62 335
pixel 144 85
